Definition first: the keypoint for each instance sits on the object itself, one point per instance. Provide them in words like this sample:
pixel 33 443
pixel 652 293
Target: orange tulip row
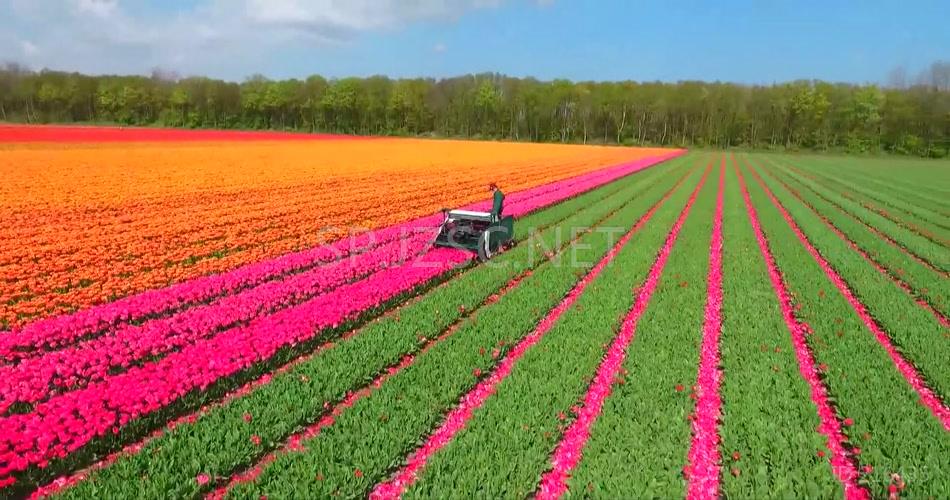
pixel 86 223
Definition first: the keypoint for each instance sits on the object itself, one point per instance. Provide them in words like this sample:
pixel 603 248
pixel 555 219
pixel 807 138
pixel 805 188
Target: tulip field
pixel 191 314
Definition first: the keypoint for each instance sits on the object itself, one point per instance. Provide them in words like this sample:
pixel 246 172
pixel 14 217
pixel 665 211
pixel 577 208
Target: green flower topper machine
pixel 482 232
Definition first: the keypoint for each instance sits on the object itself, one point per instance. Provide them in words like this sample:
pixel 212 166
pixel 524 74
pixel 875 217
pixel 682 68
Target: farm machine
pixel 482 232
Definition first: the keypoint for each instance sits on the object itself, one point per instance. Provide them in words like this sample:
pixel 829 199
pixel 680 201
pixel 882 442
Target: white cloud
pixel 29 48
pixel 98 8
pixel 335 17
pixel 223 37
pixel 439 47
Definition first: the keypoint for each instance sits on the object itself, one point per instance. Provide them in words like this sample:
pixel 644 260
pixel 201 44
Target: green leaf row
pixel 915 330
pixel 219 442
pixel 768 420
pixel 911 182
pixel 836 201
pixel 370 439
pixel 914 174
pixel 905 211
pixel 923 281
pixel 890 431
pixel 933 253
pixel 523 421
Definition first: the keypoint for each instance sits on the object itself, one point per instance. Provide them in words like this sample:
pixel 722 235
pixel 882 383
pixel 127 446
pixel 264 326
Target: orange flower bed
pixel 86 223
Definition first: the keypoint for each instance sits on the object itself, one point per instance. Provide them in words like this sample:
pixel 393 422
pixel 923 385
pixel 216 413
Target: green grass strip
pixel 877 185
pixel 915 173
pixel 894 178
pixel 903 211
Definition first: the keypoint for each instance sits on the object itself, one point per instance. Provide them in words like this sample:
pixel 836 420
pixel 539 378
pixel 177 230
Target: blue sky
pixel 735 40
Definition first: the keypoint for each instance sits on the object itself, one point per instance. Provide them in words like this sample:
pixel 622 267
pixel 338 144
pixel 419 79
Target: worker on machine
pixel 498 200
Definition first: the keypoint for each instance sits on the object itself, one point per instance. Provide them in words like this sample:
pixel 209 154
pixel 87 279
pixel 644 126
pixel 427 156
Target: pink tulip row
pixel 62 330
pixel 37 378
pixel 703 469
pixel 66 422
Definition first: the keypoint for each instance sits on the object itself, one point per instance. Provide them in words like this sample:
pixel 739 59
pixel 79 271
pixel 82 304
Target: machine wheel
pixel 484 246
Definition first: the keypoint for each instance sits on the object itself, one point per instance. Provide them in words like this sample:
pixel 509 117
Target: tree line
pixel 806 114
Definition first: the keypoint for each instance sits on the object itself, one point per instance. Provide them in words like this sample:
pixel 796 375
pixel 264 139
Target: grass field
pixel 709 325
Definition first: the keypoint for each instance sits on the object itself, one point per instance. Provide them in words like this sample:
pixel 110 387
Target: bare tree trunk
pixel 640 132
pixel 623 123
pixel 685 126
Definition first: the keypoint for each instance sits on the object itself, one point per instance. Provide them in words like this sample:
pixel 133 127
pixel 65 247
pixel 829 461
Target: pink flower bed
pixel 35 379
pixel 703 469
pixel 64 423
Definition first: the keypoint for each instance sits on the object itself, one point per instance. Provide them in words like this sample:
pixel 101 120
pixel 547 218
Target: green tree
pixel 905 119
